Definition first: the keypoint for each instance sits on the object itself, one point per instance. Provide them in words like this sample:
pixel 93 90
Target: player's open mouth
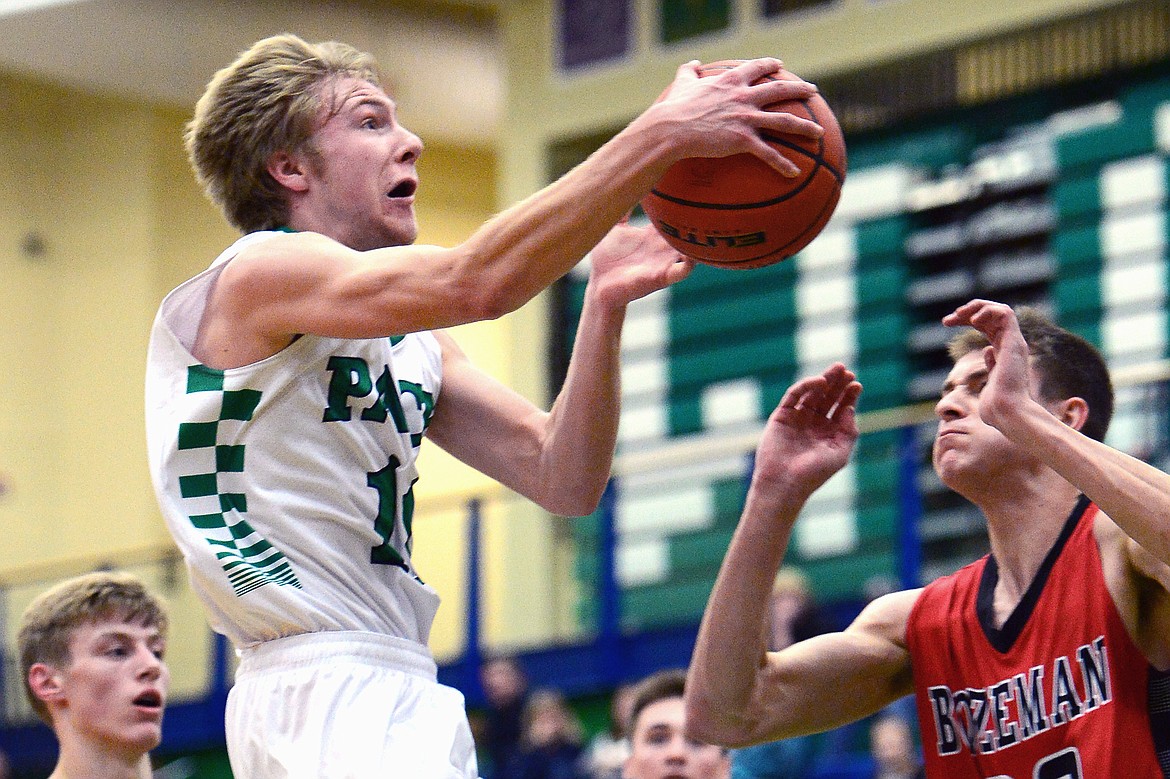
pixel 149 700
pixel 404 189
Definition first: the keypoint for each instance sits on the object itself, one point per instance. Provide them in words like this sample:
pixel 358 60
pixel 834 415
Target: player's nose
pixel 949 405
pixel 150 665
pixel 410 147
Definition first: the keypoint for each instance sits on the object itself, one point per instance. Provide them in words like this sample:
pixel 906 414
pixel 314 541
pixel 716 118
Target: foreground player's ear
pixel 1074 412
pixel 45 682
pixel 289 170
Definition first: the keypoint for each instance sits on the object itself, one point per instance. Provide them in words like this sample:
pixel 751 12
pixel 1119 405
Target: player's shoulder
pixel 888 615
pixel 1139 584
pixel 1120 553
pixel 282 245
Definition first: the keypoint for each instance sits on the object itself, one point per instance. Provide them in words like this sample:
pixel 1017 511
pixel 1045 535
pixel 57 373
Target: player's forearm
pixel 583 423
pixel 521 251
pixel 1134 494
pixel 729 658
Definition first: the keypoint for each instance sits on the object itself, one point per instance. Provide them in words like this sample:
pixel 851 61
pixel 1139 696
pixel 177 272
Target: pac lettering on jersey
pixel 420 405
pixel 1021 707
pixel 349 377
pixel 351 385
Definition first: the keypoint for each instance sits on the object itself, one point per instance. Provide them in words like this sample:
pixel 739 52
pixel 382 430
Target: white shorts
pixel 345 705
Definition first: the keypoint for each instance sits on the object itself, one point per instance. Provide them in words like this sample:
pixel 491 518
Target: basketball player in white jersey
pixel 290 385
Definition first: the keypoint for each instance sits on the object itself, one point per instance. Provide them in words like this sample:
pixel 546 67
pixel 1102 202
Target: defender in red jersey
pixel 1050 657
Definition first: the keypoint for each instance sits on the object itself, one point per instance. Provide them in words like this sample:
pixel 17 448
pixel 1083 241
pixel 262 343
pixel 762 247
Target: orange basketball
pixel 737 212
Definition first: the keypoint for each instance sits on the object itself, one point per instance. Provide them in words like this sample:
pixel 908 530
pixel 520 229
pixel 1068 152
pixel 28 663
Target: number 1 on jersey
pixel 385 482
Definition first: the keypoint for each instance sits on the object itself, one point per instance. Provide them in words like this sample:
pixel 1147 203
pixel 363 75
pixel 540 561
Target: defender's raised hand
pixel 633 261
pixel 1008 385
pixel 810 435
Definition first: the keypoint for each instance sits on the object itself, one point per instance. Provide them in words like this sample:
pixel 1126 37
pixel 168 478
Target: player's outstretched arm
pixel 812 686
pixel 734 683
pixel 560 459
pixel 308 283
pixel 1134 494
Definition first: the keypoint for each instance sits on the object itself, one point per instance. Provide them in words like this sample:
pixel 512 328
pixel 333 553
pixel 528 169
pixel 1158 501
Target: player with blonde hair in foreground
pixel 290 385
pixel 91 656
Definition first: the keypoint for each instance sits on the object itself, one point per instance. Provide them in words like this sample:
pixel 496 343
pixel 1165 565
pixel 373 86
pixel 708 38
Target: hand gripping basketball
pixel 737 212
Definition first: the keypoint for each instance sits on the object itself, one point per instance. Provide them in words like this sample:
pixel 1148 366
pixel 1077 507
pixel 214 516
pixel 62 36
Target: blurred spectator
pixel 505 687
pixel 550 745
pixel 795 616
pixel 659 745
pixel 895 752
pixel 606 753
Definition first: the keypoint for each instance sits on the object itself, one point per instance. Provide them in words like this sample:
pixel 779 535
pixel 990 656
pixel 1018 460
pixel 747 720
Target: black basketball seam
pixel 741 206
pixel 817 156
pixel 828 207
pixel 780 249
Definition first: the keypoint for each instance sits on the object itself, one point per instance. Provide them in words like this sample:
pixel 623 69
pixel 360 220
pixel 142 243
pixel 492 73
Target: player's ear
pixel 289 169
pixel 45 682
pixel 1074 412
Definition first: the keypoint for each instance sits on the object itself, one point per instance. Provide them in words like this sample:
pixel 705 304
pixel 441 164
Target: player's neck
pixel 80 759
pixel 1023 523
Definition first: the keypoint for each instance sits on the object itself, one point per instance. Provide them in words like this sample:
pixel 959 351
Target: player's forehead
pixel 346 94
pixel 115 628
pixel 663 714
pixel 971 366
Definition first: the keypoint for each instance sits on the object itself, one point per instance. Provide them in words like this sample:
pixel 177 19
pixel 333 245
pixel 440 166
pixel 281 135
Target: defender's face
pixel 115 685
pixel 660 749
pixel 361 169
pixel 969 453
pixel 963 440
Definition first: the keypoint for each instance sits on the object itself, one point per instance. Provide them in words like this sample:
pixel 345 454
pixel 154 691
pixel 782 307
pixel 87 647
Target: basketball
pixel 737 212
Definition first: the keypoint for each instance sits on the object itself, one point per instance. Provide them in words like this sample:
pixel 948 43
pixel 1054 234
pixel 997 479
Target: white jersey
pixel 287 483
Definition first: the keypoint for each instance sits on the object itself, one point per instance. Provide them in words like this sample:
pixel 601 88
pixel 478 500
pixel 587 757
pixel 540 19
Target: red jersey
pixel 1060 690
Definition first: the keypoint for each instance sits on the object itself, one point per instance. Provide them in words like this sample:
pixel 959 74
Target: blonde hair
pixel 267 100
pixel 47 626
pixel 544 701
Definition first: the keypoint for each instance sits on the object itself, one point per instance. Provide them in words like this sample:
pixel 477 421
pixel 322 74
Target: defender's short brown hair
pixel 1067 365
